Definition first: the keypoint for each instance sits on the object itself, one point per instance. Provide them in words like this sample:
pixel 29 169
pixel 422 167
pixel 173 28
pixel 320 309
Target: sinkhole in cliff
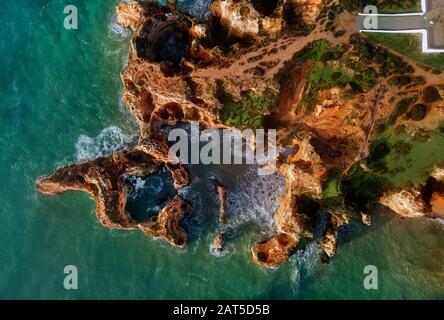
pixel 149 194
pixel 292 13
pixel 265 7
pixel 163 41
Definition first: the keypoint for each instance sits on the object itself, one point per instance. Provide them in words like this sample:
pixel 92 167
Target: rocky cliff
pixel 295 66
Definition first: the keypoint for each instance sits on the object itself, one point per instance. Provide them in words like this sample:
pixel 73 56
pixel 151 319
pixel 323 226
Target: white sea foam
pixel 108 141
pixel 116 28
pixel 193 197
pixel 197 8
pixel 139 184
pixel 255 199
pixel 227 250
pixel 305 262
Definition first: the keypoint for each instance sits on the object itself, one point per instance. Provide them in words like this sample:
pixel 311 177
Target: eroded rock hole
pixel 265 7
pixel 171 111
pixel 149 195
pixel 163 41
pixel 292 13
pixel 261 256
pixel 418 112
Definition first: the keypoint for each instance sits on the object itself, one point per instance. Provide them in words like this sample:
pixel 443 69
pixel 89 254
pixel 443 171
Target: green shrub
pixel 403 147
pixel 249 111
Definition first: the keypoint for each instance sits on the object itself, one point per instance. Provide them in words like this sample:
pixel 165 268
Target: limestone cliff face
pixel 130 14
pixel 174 76
pixel 424 200
pixel 247 19
pixel 167 224
pixel 406 203
pixel 103 178
pixel 304 11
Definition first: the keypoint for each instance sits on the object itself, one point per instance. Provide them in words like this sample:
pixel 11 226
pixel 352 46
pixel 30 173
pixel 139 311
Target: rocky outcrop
pixel 329 241
pixel 328 245
pixel 406 203
pixel 130 14
pixel 182 70
pixel 273 252
pixel 167 224
pixel 222 198
pixel 366 219
pixel 426 200
pixel 303 12
pixel 218 242
pixel 103 178
pixel 245 20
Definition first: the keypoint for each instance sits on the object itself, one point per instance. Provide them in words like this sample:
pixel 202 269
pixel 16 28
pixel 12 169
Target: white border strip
pixel 424 6
pixel 425 38
pixel 392 15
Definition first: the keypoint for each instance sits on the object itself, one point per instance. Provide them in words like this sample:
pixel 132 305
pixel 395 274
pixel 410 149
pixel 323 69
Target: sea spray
pixel 196 8
pixel 110 140
pixel 305 264
pixel 116 28
pixel 254 200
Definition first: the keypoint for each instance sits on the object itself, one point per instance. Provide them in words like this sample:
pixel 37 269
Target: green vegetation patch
pixel 410 46
pixel 411 157
pixel 384 6
pixel 249 111
pixel 398 158
pixel 332 67
pixel 331 193
pixel 361 187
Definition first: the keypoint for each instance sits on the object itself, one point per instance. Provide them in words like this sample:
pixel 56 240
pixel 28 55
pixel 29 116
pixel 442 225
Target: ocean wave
pixel 306 262
pixel 228 249
pixel 110 140
pixel 196 217
pixel 152 185
pixel 254 200
pixel 115 28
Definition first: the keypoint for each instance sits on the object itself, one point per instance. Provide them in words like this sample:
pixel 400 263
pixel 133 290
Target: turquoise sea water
pixel 60 101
